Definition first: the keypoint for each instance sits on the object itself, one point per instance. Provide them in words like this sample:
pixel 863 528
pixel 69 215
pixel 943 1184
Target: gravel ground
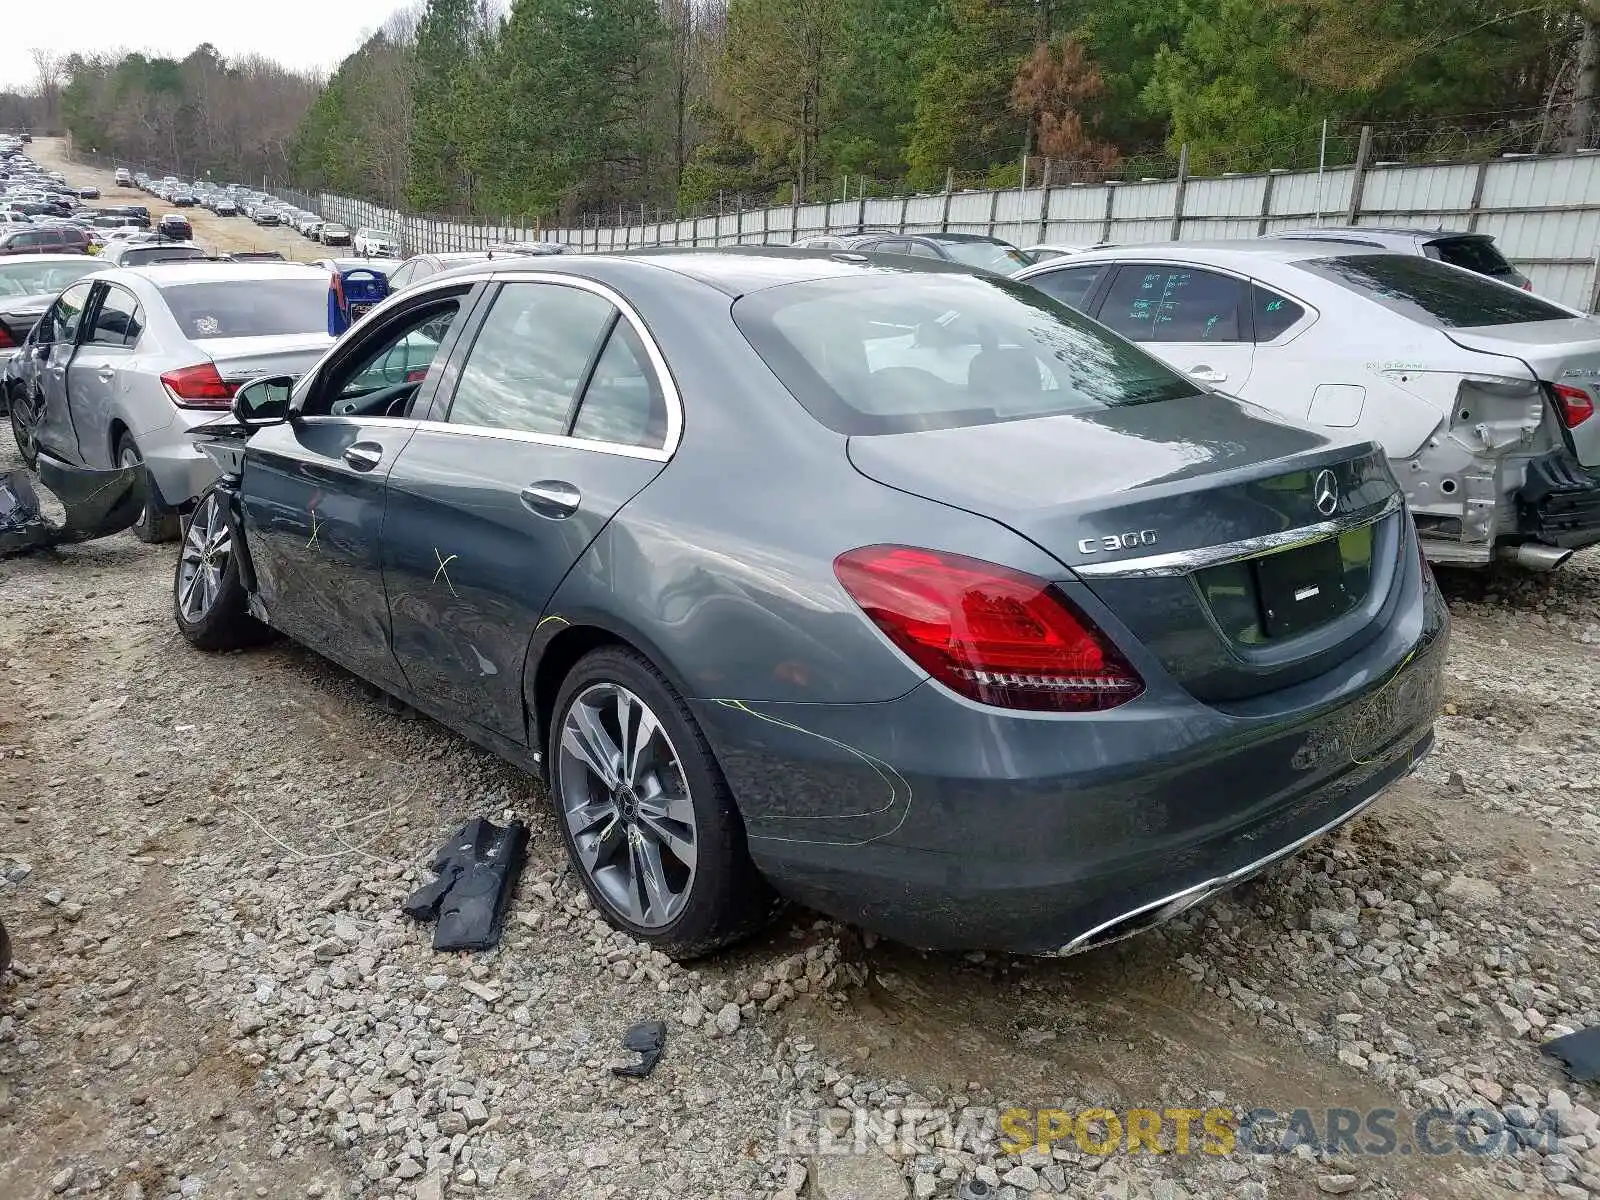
pixel 216 995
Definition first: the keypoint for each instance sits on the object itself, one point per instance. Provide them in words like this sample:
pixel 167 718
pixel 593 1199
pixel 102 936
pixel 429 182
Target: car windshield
pixel 249 307
pixel 1474 253
pixel 913 351
pixel 35 279
pixel 1433 293
pixel 989 256
pixel 139 256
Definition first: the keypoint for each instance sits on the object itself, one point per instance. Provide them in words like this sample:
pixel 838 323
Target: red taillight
pixel 1576 405
pixel 7 342
pixel 1527 285
pixel 987 632
pixel 198 387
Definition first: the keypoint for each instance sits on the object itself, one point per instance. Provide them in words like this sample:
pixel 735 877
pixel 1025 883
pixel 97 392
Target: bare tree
pixel 47 70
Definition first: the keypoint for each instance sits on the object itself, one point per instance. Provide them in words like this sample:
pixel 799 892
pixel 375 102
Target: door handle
pixel 363 456
pixel 1208 374
pixel 552 498
pixel 106 373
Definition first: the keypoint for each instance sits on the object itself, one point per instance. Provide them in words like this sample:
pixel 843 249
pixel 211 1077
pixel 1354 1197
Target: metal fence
pixel 1544 211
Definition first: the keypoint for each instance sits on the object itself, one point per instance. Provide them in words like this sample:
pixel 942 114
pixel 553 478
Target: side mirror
pixel 263 402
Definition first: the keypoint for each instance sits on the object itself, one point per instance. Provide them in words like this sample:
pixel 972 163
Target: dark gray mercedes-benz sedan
pixel 904 592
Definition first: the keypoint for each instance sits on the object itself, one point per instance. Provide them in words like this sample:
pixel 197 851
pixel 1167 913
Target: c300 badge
pixel 1131 540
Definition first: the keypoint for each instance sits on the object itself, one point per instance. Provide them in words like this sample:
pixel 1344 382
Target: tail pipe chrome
pixel 1535 557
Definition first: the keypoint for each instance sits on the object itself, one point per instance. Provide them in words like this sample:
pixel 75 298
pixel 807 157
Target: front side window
pixel 1433 293
pixel 380 375
pixel 896 354
pixel 530 357
pixel 60 324
pixel 1158 303
pixel 119 321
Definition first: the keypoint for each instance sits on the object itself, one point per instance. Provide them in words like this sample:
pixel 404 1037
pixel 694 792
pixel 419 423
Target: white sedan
pixel 1482 395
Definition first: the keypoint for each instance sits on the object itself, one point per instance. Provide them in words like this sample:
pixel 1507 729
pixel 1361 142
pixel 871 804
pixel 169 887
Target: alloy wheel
pixel 204 560
pixel 627 806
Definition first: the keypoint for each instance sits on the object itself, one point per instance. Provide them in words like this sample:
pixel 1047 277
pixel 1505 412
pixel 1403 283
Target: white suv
pixel 376 243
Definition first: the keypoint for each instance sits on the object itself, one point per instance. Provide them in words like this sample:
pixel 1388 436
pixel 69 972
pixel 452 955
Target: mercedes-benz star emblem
pixel 1325 493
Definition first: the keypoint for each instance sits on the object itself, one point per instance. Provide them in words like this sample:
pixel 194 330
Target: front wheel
pixel 22 428
pixel 645 812
pixel 208 597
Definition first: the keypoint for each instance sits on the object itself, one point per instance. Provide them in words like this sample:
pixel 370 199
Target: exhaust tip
pixel 1535 557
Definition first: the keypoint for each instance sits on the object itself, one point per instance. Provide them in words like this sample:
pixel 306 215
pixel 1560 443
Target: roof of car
pixel 1343 232
pixel 13 260
pixel 1276 249
pixel 176 274
pixel 733 270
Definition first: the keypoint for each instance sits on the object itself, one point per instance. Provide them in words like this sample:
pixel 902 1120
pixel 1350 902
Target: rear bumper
pixel 178 470
pixel 951 826
pixel 1559 503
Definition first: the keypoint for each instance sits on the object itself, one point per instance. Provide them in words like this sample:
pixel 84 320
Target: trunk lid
pixel 1195 521
pixel 242 359
pixel 1564 353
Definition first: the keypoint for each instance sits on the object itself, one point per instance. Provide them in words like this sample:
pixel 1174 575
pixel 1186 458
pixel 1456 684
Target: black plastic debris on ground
pixel 645 1038
pixel 95 504
pixel 478 870
pixel 1580 1052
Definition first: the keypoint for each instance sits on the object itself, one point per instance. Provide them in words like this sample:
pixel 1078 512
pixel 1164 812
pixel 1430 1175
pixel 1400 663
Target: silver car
pixel 126 362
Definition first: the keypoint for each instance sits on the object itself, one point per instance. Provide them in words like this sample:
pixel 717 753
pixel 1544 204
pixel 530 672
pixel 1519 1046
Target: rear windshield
pixel 249 307
pixel 988 256
pixel 34 279
pixel 140 256
pixel 1475 254
pixel 1432 293
pixel 895 353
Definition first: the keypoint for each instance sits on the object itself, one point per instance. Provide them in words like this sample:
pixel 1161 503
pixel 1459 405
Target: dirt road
pixel 203 860
pixel 210 230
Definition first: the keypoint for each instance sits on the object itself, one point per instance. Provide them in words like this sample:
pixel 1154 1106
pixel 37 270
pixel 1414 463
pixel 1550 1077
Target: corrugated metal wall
pixel 1544 212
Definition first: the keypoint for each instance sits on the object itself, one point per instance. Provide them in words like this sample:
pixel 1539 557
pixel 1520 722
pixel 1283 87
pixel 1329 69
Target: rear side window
pixel 623 403
pixel 1432 293
pixel 249 307
pixel 1070 285
pixel 1273 314
pixel 899 353
pixel 1475 254
pixel 1173 304
pixel 119 321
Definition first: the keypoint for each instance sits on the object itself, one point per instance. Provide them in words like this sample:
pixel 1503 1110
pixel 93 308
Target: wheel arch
pixel 560 643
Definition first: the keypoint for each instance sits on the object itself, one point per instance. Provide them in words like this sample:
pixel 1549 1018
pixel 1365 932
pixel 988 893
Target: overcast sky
pixel 298 33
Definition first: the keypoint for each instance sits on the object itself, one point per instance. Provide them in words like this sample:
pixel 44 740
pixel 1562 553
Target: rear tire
pixel 209 602
pixel 647 817
pixel 153 525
